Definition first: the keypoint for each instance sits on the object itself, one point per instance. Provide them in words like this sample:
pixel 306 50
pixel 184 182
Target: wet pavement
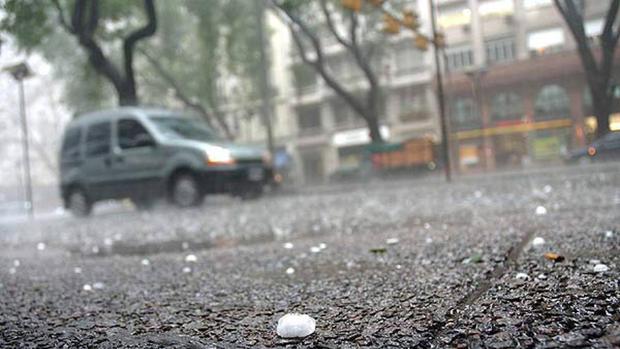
pixel 403 264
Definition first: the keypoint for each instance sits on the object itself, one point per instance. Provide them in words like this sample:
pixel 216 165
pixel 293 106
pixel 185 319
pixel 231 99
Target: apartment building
pixel 517 94
pixel 515 90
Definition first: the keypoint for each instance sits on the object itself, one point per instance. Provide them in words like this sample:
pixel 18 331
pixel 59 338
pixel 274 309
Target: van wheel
pixel 185 191
pixel 79 205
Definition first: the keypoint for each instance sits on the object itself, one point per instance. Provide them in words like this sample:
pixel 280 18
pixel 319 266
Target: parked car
pixel 144 154
pixel 603 149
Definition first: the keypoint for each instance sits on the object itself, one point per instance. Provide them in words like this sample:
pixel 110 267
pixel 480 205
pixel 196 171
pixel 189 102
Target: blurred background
pixel 515 90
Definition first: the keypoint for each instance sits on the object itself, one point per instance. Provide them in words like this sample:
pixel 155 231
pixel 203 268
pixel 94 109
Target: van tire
pixel 78 203
pixel 185 190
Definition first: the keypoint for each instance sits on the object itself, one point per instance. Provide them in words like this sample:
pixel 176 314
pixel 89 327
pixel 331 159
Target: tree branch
pixel 574 21
pixel 130 41
pixel 184 98
pixel 95 54
pixel 332 26
pixel 61 16
pixel 610 18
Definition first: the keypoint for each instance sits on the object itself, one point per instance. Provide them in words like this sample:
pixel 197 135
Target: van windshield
pixel 184 128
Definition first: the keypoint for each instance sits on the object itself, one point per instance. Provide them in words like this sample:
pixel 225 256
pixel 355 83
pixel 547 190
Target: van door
pixel 137 159
pixel 97 166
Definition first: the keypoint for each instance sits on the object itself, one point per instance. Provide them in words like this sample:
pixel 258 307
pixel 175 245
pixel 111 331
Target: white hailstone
pixel 600 268
pixel 87 287
pixel 322 246
pixel 315 249
pixel 95 249
pixel 547 188
pixel 145 262
pixel 295 326
pixel 429 240
pixel 16 263
pixel 108 242
pixel 117 237
pixel 290 271
pixel 522 276
pixel 41 246
pixel 398 266
pixel 538 241
pixel 184 245
pixel 288 245
pixel 12 271
pixel 594 261
pixel 427 226
pixel 186 270
pixel 77 270
pixel 391 241
pixel 191 258
pixel 609 234
pixel 542 276
pixel 478 194
pixel 98 285
pixel 541 211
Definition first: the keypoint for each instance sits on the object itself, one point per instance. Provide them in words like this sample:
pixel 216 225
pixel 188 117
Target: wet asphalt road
pixel 449 281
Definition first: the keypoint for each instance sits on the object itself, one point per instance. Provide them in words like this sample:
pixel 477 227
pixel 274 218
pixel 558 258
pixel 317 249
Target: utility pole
pixel 440 98
pixel 264 75
pixel 20 72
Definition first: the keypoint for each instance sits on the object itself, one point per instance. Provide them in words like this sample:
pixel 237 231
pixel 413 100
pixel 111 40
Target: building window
pixel 451 16
pixel 408 58
pixel 534 4
pixel 309 118
pixel 464 114
pixel 459 58
pixel 552 102
pixel 496 8
pixel 500 50
pixel 412 104
pixel 545 41
pixel 305 78
pixel 506 106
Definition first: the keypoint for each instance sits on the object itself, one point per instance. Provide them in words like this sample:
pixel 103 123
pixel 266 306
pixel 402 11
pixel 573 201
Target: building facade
pixel 515 91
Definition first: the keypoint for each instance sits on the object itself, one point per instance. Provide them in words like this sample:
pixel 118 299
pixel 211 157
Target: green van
pixel 146 153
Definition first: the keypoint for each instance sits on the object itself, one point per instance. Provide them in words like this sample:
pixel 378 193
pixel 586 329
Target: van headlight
pixel 218 156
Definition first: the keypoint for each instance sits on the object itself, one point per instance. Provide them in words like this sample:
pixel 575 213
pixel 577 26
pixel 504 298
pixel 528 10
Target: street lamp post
pixel 264 76
pixel 441 101
pixel 20 72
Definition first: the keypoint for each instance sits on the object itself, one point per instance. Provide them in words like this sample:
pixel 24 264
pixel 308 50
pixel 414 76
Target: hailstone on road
pixel 538 241
pixel 295 326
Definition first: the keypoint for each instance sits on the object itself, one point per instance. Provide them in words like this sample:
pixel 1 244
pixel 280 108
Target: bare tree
pixel 204 111
pixel 83 25
pixel 368 106
pixel 598 73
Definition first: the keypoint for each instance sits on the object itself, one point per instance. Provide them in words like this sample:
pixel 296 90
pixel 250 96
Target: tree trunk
pixel 373 129
pixel 127 95
pixel 372 114
pixel 602 110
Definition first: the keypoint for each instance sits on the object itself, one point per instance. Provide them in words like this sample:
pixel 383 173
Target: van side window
pixel 71 144
pixel 131 134
pixel 98 139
